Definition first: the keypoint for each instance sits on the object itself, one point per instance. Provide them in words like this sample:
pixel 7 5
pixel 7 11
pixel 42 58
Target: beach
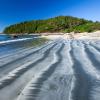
pixel 72 35
pixel 57 69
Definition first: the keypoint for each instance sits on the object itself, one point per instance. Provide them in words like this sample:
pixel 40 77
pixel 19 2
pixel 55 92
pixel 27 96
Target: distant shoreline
pixel 71 35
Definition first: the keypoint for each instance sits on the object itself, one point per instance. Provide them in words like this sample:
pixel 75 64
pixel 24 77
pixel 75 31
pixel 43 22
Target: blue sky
pixel 14 11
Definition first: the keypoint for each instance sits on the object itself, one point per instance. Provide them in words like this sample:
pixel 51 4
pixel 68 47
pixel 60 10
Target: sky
pixel 15 11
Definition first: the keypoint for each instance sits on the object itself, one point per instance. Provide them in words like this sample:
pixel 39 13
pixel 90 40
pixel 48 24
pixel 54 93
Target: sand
pixel 72 35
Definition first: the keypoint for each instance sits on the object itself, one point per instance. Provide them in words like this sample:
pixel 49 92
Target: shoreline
pixel 71 35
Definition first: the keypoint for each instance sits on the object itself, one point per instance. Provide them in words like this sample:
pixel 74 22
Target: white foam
pixel 16 40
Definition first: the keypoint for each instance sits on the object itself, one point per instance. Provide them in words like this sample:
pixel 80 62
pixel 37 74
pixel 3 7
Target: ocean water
pixel 5 37
pixel 5 47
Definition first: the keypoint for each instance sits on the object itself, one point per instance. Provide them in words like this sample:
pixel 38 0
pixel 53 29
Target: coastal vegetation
pixel 58 24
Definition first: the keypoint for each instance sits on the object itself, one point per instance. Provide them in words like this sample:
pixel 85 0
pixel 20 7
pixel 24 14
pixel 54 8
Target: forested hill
pixel 57 24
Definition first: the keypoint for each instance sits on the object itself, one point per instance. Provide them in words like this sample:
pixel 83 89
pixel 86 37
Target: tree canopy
pixel 57 24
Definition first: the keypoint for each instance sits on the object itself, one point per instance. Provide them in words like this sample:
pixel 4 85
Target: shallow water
pixel 4 37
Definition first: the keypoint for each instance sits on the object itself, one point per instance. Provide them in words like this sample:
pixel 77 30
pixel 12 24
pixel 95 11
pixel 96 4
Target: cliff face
pixel 57 24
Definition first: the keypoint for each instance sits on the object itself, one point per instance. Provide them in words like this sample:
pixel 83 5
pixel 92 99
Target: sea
pixel 4 37
pixel 7 43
